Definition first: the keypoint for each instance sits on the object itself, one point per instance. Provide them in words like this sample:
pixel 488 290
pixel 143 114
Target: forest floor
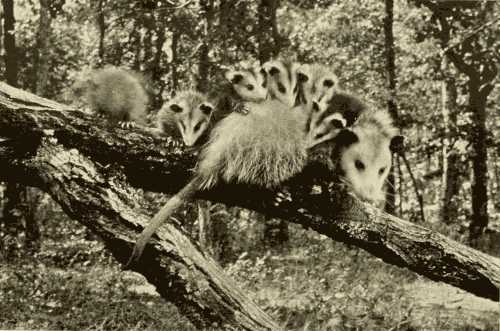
pixel 313 284
pixel 452 303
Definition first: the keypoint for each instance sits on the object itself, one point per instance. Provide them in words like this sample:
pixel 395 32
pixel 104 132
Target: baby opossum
pixel 282 81
pixel 317 83
pixel 116 94
pixel 190 113
pixel 247 84
pixel 270 145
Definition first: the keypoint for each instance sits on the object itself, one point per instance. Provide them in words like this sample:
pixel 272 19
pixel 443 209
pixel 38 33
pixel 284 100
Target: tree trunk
pixel 268 37
pixel 9 39
pixel 173 64
pixel 451 174
pixel 42 51
pixel 390 68
pixel 13 218
pixel 15 193
pixel 477 106
pixel 101 26
pixel 207 14
pixel 87 169
pixel 157 69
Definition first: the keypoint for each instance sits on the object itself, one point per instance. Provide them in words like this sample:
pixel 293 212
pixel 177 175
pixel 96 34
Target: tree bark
pixel 97 173
pixel 477 105
pixel 9 41
pixel 176 34
pixel 42 49
pixel 451 174
pixel 207 15
pixel 15 194
pixel 101 26
pixel 390 68
pixel 268 37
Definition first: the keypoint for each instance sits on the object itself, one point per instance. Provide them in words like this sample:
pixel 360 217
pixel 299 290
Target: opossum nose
pixel 189 141
pixel 372 194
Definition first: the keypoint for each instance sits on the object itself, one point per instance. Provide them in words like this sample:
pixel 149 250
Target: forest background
pixel 434 65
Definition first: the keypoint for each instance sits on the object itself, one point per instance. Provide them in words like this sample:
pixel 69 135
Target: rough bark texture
pixel 42 51
pixel 207 13
pixel 15 207
pixel 89 167
pixel 390 71
pixel 452 172
pixel 101 26
pixel 9 41
pixel 268 36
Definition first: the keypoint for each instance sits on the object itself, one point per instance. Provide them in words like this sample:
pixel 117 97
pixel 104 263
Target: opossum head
pixel 192 114
pixel 365 160
pixel 249 84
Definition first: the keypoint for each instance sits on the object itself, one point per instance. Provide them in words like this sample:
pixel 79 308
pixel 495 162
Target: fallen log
pixel 97 174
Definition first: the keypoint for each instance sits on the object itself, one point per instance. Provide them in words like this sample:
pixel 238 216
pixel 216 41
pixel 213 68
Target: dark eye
pixel 359 165
pixel 250 87
pixel 315 106
pixel 274 71
pixel 381 171
pixel 328 83
pixel 197 127
pixel 176 108
pixel 281 88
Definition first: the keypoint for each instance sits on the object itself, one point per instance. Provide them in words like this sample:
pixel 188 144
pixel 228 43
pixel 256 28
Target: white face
pixel 250 85
pixel 282 81
pixel 192 123
pixel 317 83
pixel 366 164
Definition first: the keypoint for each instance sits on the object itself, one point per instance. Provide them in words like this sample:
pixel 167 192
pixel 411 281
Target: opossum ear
pixel 346 138
pixel 397 144
pixel 302 77
pixel 175 108
pixel 206 108
pixel 234 77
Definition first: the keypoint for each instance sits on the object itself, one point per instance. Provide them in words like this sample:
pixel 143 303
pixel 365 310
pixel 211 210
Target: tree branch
pixel 87 166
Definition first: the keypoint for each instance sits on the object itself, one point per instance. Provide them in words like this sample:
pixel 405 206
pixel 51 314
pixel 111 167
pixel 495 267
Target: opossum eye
pixel 249 87
pixel 315 106
pixel 273 71
pixel 381 171
pixel 328 83
pixel 359 165
pixel 281 88
pixel 176 108
pixel 206 109
pixel 197 126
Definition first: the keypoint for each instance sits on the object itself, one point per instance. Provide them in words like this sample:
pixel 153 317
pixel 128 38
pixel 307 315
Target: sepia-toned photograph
pixel 255 165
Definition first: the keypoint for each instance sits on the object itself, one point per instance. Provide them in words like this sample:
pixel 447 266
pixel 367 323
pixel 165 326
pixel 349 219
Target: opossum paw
pixel 127 124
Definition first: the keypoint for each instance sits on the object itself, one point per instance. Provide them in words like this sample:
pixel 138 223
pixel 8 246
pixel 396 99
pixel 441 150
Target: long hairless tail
pixel 161 216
